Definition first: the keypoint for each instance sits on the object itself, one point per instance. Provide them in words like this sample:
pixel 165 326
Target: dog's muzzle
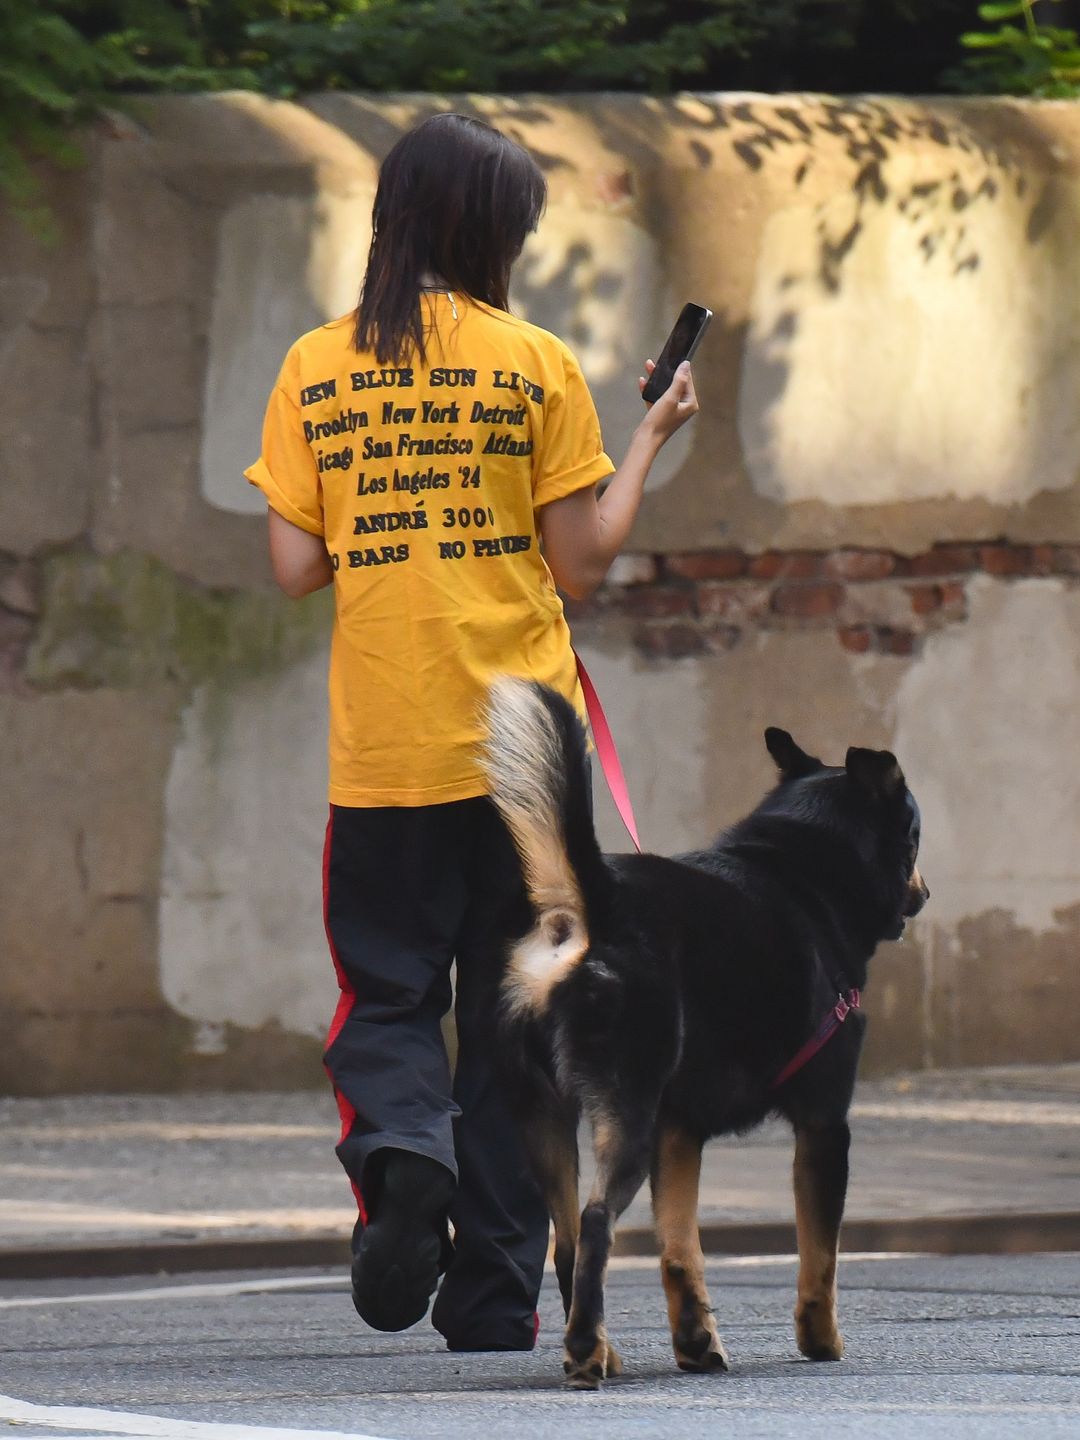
pixel 917 895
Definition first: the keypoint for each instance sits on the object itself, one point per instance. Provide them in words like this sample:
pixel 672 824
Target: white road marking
pixel 30 1216
pixel 86 1419
pixel 208 1290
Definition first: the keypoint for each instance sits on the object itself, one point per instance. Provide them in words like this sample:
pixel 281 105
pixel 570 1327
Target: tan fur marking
pixel 816 1330
pixel 694 1335
pixel 600 1365
pixel 537 963
pixel 524 764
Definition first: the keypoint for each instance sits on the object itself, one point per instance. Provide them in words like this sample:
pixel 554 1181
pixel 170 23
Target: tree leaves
pixel 1039 60
pixel 63 61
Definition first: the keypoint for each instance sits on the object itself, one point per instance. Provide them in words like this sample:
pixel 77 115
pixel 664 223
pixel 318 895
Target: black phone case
pixel 671 358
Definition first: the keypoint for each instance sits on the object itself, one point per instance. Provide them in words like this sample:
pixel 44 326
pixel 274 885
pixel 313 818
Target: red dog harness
pixel 826 1030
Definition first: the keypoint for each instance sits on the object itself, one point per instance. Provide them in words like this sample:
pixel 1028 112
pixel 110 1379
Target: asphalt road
pixel 957 1347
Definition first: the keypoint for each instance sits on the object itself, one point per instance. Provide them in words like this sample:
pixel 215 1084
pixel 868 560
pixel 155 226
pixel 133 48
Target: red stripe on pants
pixel 341 1013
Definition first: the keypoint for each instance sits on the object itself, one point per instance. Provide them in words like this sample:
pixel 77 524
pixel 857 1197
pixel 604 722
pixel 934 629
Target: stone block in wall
pixel 80 832
pixel 48 452
pixel 242 941
pixel 48 278
pixel 143 224
pixel 150 364
pixel 149 502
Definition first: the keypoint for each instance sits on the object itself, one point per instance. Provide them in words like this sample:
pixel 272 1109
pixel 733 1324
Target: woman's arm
pixel 298 557
pixel 583 532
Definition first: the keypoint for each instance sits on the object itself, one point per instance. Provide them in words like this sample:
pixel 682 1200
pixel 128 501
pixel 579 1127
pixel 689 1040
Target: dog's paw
pixel 817 1335
pixel 589 1371
pixel 701 1353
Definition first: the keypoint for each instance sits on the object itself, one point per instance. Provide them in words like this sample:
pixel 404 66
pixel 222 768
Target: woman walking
pixel 437 460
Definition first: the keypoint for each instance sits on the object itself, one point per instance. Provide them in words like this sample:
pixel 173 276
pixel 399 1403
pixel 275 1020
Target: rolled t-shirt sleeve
pixel 571 452
pixel 286 472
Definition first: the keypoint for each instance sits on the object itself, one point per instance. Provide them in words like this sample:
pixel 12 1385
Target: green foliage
pixel 65 61
pixel 1028 58
pixel 499 44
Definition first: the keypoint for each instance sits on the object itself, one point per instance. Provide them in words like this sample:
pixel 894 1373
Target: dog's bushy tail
pixel 537 769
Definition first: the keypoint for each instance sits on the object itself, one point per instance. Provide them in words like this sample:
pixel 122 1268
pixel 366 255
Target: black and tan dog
pixel 666 999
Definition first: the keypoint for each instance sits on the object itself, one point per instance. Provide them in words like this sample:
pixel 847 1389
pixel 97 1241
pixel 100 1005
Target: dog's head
pixel 868 803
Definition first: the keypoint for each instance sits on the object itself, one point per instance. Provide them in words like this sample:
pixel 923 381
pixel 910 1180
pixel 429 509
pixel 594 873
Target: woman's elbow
pixel 580 582
pixel 296 583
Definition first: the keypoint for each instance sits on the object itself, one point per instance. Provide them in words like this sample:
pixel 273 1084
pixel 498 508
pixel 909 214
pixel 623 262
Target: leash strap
pixel 607 754
pixel 828 1028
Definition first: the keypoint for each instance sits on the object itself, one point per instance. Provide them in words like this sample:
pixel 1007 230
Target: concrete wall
pixel 871 535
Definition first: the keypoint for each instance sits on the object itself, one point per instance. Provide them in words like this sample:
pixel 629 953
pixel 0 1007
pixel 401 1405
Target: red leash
pixel 607 754
pixel 828 1028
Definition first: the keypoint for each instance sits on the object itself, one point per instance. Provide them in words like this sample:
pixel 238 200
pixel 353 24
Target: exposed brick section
pixel 633 570
pixel 925 599
pixel 786 565
pixel 862 564
pixel 658 602
pixel 877 602
pixel 946 560
pixel 876 639
pixel 707 565
pixel 807 602
pixel 894 642
pixel 719 638
pixel 739 603
pixel 1006 559
pixel 859 639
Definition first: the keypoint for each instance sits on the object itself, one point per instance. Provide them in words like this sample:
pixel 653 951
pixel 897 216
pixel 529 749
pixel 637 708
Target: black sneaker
pixel 396 1264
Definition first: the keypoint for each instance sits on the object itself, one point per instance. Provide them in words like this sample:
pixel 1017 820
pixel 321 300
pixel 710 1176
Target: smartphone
pixel 680 345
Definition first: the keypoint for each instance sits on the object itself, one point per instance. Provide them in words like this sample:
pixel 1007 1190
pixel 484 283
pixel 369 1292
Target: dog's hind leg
pixel 821 1176
pixel 550 1134
pixel 675 1181
pixel 622 1156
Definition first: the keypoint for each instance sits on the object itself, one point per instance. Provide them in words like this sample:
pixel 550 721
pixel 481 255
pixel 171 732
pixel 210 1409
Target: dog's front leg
pixel 675 1182
pixel 821 1177
pixel 622 1155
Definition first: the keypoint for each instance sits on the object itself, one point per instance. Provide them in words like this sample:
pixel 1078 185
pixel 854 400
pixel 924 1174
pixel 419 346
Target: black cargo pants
pixel 407 891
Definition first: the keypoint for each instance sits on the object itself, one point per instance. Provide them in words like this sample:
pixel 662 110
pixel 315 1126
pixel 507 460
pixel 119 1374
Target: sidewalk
pixel 976 1159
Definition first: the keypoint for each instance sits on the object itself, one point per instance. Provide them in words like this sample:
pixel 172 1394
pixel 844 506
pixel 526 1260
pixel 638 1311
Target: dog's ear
pixel 877 771
pixel 792 762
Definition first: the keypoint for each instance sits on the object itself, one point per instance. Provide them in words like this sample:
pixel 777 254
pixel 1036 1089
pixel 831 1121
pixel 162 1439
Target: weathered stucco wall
pixel 871 535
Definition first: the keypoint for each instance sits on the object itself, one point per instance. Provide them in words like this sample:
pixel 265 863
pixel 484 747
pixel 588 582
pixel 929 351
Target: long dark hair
pixel 456 198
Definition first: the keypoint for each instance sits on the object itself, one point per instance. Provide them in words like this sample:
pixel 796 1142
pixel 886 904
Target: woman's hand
pixel 677 404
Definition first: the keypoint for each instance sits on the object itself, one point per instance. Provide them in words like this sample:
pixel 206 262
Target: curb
pixel 1019 1233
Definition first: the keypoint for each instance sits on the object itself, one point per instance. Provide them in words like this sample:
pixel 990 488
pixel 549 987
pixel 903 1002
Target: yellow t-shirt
pixel 425 481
